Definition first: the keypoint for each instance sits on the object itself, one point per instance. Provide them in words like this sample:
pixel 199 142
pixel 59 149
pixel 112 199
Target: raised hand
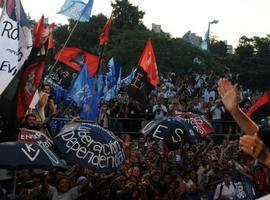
pixel 253 145
pixel 229 94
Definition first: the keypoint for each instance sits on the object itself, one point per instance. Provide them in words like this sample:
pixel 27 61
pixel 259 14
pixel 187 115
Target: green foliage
pixel 128 37
pixel 218 48
pixel 126 16
pixel 252 61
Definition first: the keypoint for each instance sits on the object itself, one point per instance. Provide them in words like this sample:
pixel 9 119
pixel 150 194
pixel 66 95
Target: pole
pixel 14 185
pixel 65 44
pixel 208 36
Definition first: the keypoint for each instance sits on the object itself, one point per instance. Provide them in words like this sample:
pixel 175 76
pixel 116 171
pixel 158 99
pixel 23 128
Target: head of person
pixel 136 171
pixel 203 197
pixel 227 178
pixel 167 179
pixel 31 120
pixel 46 88
pixel 104 107
pixel 63 184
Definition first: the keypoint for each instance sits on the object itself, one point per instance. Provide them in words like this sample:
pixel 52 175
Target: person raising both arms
pixel 251 143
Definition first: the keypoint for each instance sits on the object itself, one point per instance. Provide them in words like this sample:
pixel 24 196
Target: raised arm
pixel 230 98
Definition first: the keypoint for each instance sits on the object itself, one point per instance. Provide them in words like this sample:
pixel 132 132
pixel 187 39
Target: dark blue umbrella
pixel 90 145
pixel 173 131
pixel 21 155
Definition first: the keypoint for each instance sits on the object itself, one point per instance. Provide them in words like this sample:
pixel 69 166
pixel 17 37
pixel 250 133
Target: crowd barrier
pixel 132 126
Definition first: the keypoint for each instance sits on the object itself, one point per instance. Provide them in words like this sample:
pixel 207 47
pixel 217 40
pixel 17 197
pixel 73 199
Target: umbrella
pixel 173 131
pixel 90 145
pixel 21 155
pixel 198 122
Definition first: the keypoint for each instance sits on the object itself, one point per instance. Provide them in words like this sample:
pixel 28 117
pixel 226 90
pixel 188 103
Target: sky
pixel 236 17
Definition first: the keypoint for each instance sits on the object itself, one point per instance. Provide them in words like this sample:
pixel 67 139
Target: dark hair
pixel 61 178
pixel 30 115
pixel 227 173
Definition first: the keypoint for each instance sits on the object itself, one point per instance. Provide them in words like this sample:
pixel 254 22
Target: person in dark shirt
pixel 30 122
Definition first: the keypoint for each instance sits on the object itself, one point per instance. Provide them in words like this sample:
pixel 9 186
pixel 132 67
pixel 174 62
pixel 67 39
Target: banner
pixel 15 41
pixel 34 137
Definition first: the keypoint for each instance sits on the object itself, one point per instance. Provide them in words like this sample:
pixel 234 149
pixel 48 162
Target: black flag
pixel 140 87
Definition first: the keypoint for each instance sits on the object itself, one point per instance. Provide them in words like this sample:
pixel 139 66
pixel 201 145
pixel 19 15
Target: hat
pixel 80 179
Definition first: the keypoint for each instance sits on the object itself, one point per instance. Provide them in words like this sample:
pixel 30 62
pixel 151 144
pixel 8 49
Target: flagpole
pixel 65 44
pixel 100 57
pixel 96 77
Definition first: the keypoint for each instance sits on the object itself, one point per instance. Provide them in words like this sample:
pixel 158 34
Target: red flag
pixel 50 39
pixel 198 122
pixel 260 109
pixel 149 64
pixel 29 84
pixel 104 36
pixel 40 33
pixel 74 58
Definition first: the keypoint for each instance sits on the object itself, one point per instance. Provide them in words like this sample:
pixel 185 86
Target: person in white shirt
pixel 226 190
pixel 216 111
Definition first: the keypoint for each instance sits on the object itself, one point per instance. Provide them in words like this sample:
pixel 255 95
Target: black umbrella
pixel 173 131
pixel 21 155
pixel 90 145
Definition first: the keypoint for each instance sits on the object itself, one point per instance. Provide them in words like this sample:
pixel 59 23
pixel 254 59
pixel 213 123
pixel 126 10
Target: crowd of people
pixel 210 169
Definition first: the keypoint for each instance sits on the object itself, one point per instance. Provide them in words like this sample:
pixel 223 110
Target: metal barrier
pixel 132 126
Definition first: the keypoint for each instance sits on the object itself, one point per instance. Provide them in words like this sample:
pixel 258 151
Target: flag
pixel 104 36
pixel 50 48
pixel 15 41
pixel 149 64
pixel 83 93
pixel 33 69
pixel 77 10
pixel 75 58
pixel 40 33
pixel 112 92
pixel 129 78
pixel 140 87
pixel 260 109
pixel 29 84
pixel 113 73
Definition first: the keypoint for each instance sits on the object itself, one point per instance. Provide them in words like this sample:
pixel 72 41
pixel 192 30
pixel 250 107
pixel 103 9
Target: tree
pixel 218 47
pixel 126 16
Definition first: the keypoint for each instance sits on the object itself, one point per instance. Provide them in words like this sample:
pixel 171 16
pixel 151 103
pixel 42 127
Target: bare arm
pixel 230 97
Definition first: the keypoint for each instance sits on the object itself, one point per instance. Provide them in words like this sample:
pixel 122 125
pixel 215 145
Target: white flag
pixel 15 41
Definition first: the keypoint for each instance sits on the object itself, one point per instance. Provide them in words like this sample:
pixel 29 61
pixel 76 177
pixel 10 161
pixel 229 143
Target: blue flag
pixel 113 73
pixel 83 92
pixel 77 9
pixel 129 78
pixel 112 93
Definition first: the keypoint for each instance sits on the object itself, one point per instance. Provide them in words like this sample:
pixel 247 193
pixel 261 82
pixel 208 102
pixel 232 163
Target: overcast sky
pixel 236 17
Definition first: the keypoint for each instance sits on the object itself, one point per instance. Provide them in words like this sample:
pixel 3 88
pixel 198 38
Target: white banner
pixel 15 41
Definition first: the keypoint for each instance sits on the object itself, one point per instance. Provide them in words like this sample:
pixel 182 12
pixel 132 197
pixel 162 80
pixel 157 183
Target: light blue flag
pixel 113 73
pixel 83 93
pixel 129 78
pixel 77 10
pixel 113 92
